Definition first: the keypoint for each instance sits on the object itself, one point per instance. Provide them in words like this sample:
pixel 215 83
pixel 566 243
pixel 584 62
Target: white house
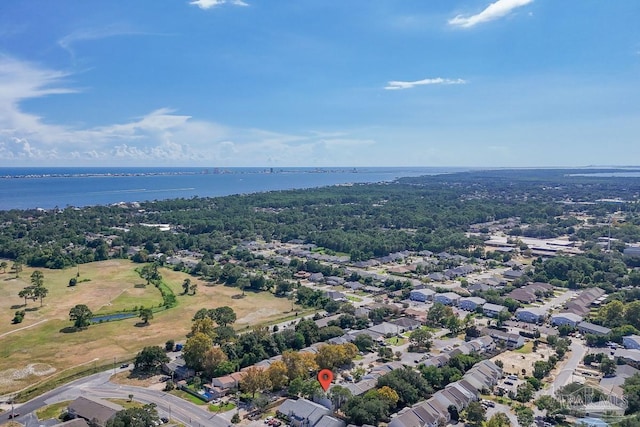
pixel 471 303
pixel 421 295
pixel 447 298
pixel 571 319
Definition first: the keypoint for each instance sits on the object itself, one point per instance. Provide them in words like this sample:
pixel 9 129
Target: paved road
pixel 98 385
pixel 567 368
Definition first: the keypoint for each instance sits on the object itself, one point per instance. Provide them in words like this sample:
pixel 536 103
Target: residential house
pixel 228 382
pixel 336 296
pixel 305 413
pixel 570 319
pixel 531 314
pixel 406 324
pixel 471 303
pixel 76 422
pixel 492 310
pixel 511 341
pixel 590 328
pixel 630 357
pixel 93 410
pixel 178 369
pixel 522 295
pixel 632 342
pixel 447 298
pixel 512 274
pixel 632 251
pixel 385 329
pixel 421 295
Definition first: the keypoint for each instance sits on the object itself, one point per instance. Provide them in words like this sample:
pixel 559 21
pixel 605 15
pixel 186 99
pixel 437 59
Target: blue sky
pixel 319 83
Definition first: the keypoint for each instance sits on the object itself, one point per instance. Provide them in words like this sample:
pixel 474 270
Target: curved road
pixel 98 385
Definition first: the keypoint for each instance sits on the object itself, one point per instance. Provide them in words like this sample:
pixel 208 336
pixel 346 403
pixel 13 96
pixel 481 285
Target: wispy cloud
pixel 397 85
pixel 161 136
pixel 495 10
pixel 69 40
pixel 208 4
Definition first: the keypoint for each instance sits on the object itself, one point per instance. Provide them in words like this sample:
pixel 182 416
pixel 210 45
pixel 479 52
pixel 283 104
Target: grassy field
pixel 44 344
pixel 52 411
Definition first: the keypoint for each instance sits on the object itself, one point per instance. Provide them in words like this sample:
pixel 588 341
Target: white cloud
pixel 397 85
pixel 160 137
pixel 495 10
pixel 208 4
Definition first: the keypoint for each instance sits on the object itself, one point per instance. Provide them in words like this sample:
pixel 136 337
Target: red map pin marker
pixel 325 378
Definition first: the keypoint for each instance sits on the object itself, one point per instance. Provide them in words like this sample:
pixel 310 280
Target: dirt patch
pixel 514 362
pixel 128 378
pixel 34 369
pixel 258 315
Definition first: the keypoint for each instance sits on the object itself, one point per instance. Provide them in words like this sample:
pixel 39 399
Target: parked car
pixel 124 365
pixel 508 383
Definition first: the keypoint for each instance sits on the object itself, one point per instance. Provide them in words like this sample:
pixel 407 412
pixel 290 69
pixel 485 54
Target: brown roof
pixel 94 409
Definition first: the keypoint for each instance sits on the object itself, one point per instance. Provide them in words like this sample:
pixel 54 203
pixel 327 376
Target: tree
pixel 73 281
pixel 17 268
pixel 389 394
pixel 37 278
pixel 145 314
pixel 524 392
pixel 81 316
pixel 40 292
pixel 18 316
pixel 385 353
pixel 195 349
pixel 524 415
pixel 612 314
pixel 213 359
pixel 607 367
pixel 338 395
pixel 192 288
pixel 299 364
pixel 150 273
pixel 277 373
pixel 224 316
pixel 203 326
pixel 364 343
pixel 475 414
pixel 331 356
pixel 147 416
pixel 631 389
pixel 26 293
pixel 254 380
pixel 169 345
pixel 499 420
pixel 186 285
pixel 150 359
pixel 3 266
pixel 549 404
pixel 420 340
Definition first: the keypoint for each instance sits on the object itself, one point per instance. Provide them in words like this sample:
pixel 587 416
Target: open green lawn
pixel 222 407
pixel 49 344
pixel 395 341
pixel 188 397
pixel 526 348
pixel 52 411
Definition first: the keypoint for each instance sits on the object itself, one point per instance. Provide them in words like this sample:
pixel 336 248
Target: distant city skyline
pixel 311 83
